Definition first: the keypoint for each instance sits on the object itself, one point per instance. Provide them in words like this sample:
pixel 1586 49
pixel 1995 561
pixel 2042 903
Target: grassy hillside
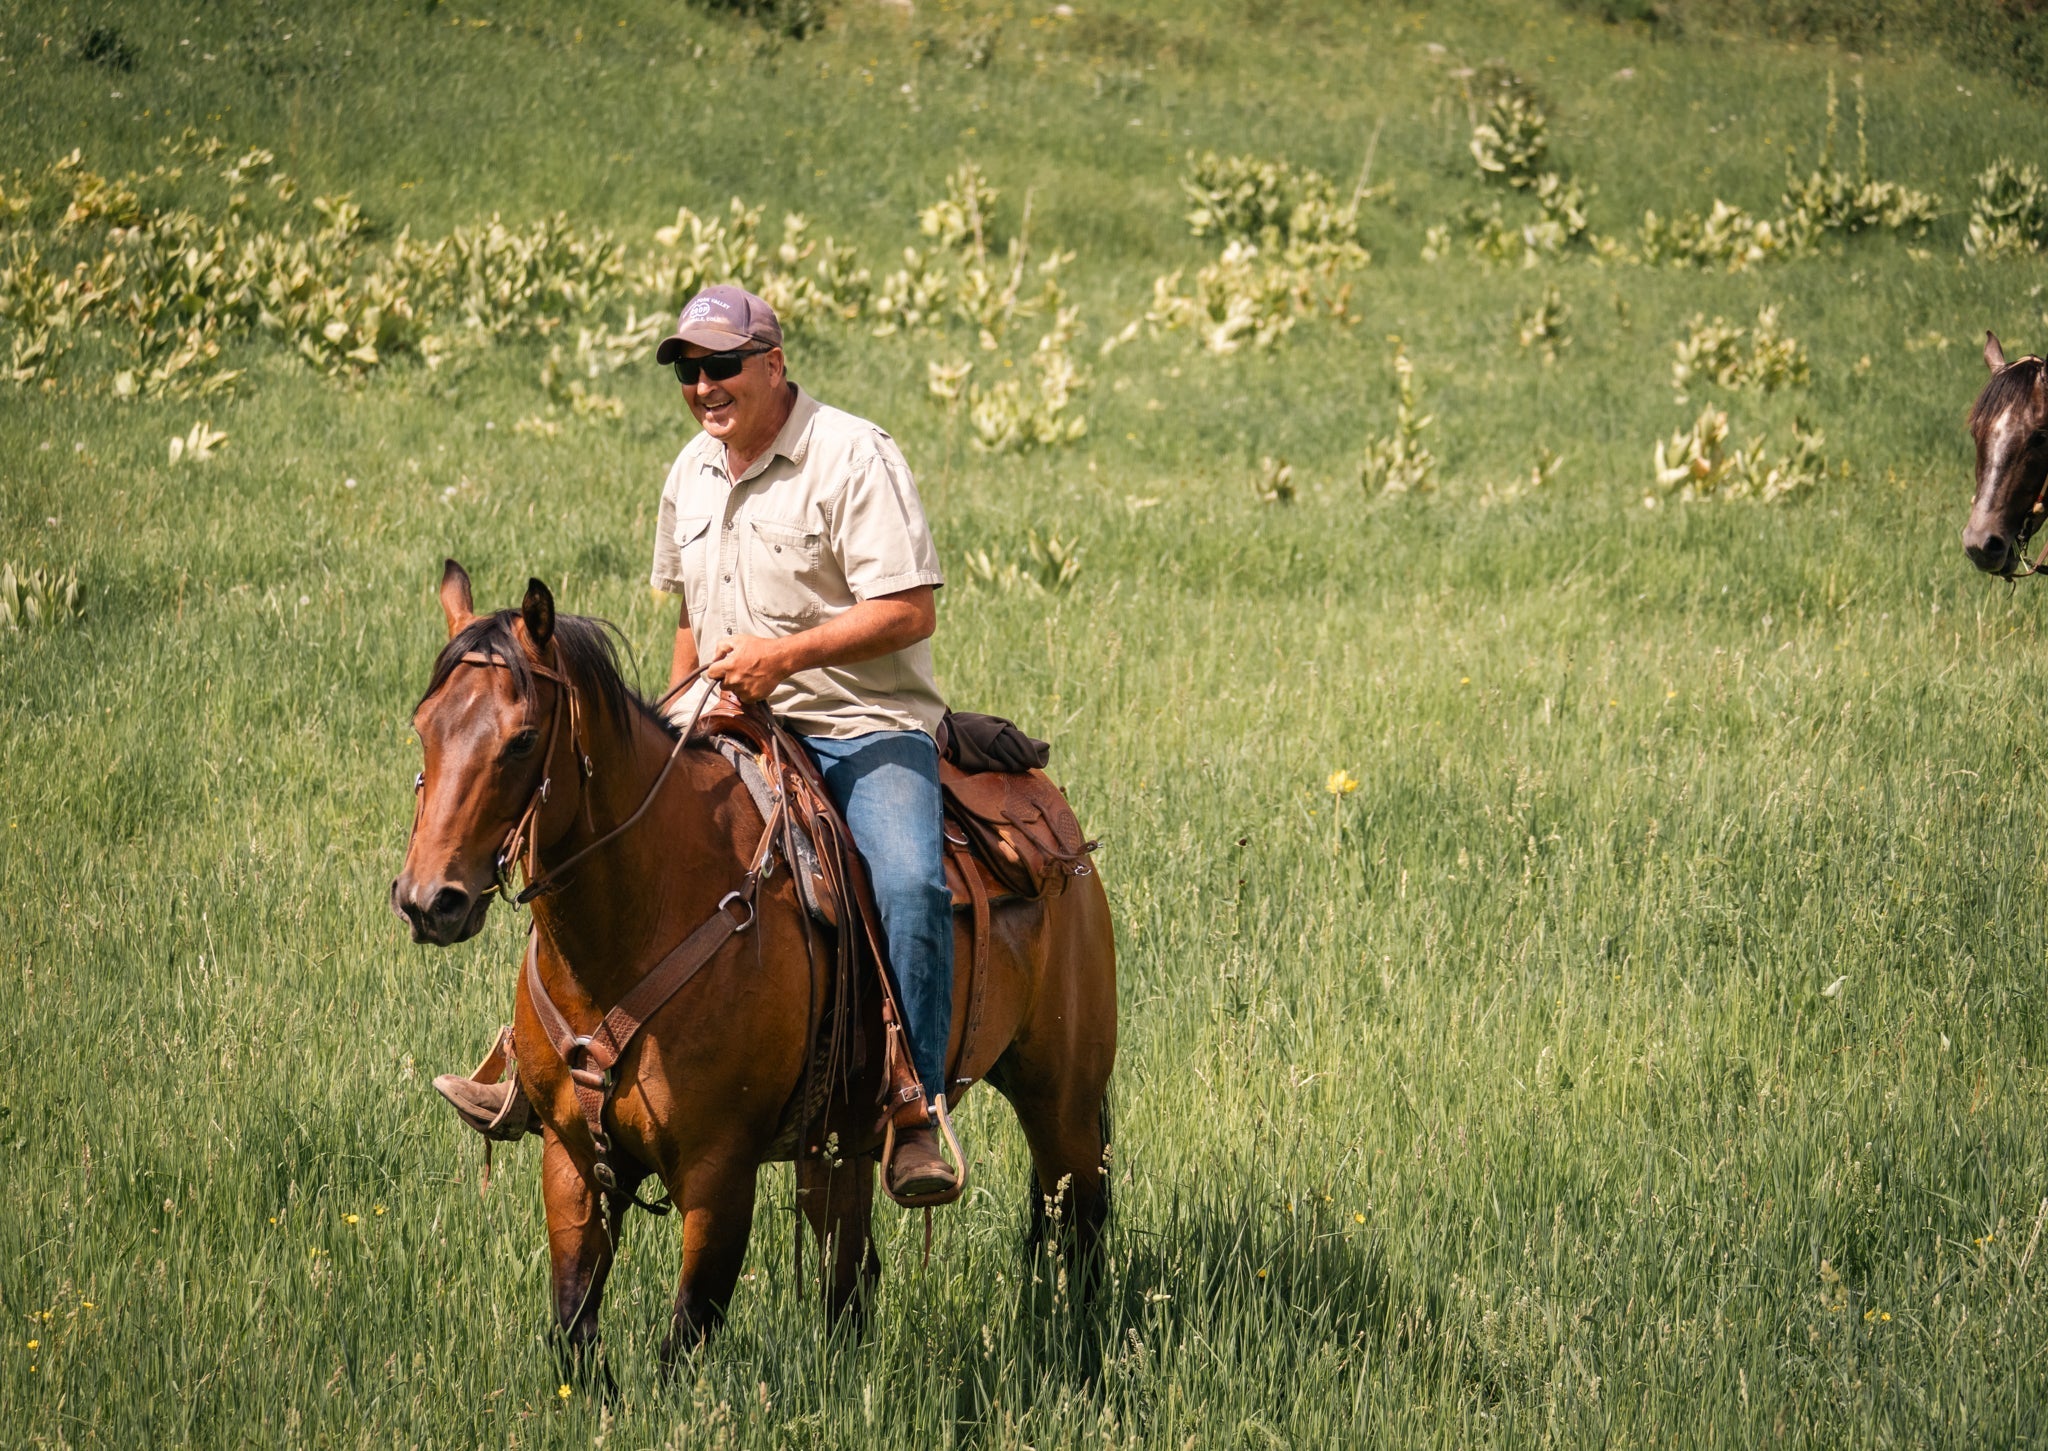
pixel 1641 1053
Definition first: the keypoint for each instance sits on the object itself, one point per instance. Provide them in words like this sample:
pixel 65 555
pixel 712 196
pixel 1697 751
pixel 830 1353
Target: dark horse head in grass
pixel 2010 423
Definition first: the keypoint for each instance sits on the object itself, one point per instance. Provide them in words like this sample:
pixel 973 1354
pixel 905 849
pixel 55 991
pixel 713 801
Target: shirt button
pixel 728 579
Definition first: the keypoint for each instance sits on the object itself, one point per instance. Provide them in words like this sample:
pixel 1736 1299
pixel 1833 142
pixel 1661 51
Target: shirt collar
pixel 792 441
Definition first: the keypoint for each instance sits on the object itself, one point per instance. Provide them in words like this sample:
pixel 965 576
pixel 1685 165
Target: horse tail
pixel 1105 1118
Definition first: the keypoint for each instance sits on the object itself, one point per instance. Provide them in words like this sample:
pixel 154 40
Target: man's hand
pixel 749 666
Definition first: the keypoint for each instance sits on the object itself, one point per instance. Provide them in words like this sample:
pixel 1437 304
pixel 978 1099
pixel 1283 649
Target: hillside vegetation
pixel 1471 492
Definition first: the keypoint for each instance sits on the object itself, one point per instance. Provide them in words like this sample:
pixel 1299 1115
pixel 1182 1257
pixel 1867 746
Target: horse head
pixel 492 724
pixel 2009 421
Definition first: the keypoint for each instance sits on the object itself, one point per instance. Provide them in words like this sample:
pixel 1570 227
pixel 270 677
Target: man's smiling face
pixel 738 411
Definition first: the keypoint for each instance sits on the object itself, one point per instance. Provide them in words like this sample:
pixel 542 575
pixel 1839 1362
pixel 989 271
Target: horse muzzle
pixel 1991 551
pixel 441 913
pixel 1998 545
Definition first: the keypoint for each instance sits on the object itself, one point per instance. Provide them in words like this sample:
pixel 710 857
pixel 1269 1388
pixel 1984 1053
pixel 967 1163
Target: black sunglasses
pixel 715 366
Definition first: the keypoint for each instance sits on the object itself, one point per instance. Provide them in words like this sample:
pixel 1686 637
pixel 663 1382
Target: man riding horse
pixel 795 537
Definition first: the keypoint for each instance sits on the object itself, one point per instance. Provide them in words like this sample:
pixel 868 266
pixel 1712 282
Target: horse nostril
pixel 448 902
pixel 1989 552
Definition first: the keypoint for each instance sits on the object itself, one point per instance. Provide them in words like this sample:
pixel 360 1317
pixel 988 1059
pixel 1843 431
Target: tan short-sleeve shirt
pixel 827 517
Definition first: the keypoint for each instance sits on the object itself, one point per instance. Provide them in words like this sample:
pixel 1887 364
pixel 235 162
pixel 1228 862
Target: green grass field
pixel 1643 1053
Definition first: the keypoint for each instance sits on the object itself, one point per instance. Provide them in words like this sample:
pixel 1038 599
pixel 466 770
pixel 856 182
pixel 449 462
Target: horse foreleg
pixel 717 1202
pixel 581 1245
pixel 838 1203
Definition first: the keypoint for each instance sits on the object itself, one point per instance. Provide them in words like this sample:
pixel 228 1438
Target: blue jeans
pixel 886 785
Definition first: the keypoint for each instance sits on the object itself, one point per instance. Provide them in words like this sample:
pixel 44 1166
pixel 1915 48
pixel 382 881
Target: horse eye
pixel 521 745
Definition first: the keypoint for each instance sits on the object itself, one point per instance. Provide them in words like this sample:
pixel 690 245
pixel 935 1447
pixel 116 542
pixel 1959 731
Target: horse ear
pixel 455 597
pixel 1994 355
pixel 538 613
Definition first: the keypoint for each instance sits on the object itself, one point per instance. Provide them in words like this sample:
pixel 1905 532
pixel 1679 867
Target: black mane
pixel 586 650
pixel 2014 384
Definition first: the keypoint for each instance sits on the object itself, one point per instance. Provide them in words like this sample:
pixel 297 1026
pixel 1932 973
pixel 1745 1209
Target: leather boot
pixel 918 1168
pixel 495 1110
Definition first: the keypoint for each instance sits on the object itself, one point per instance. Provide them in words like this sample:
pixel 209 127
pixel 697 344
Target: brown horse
pixel 701 1092
pixel 2009 421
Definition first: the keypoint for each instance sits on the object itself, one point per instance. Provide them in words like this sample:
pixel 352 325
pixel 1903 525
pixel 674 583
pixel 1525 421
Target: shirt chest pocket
pixel 788 575
pixel 693 564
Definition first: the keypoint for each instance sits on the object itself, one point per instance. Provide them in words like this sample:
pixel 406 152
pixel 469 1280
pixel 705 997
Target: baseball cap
pixel 720 318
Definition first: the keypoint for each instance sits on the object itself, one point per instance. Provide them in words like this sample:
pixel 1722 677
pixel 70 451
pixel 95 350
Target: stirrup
pixel 951 1141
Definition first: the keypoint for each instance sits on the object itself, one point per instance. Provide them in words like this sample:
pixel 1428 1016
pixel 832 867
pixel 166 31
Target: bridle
pixel 521 840
pixel 2034 565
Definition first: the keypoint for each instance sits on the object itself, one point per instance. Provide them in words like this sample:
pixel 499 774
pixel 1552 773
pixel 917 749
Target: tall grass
pixel 1644 1052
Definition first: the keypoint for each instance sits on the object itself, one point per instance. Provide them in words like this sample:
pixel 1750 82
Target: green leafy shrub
pixel 1013 414
pixel 1287 241
pixel 1047 566
pixel 2010 214
pixel 1727 237
pixel 174 287
pixel 1274 483
pixel 1240 300
pixel 1401 462
pixel 1510 144
pixel 1695 463
pixel 497 282
pixel 37 598
pixel 1826 200
pixel 912 297
pixel 1493 237
pixel 1830 200
pixel 1270 205
pixel 1541 326
pixel 1760 357
pixel 963 219
pixel 198 446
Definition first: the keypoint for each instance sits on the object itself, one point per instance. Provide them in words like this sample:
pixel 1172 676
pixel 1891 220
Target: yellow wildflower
pixel 1358 1218
pixel 351 1219
pixel 1341 783
pixel 33 1344
pixel 563 1391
